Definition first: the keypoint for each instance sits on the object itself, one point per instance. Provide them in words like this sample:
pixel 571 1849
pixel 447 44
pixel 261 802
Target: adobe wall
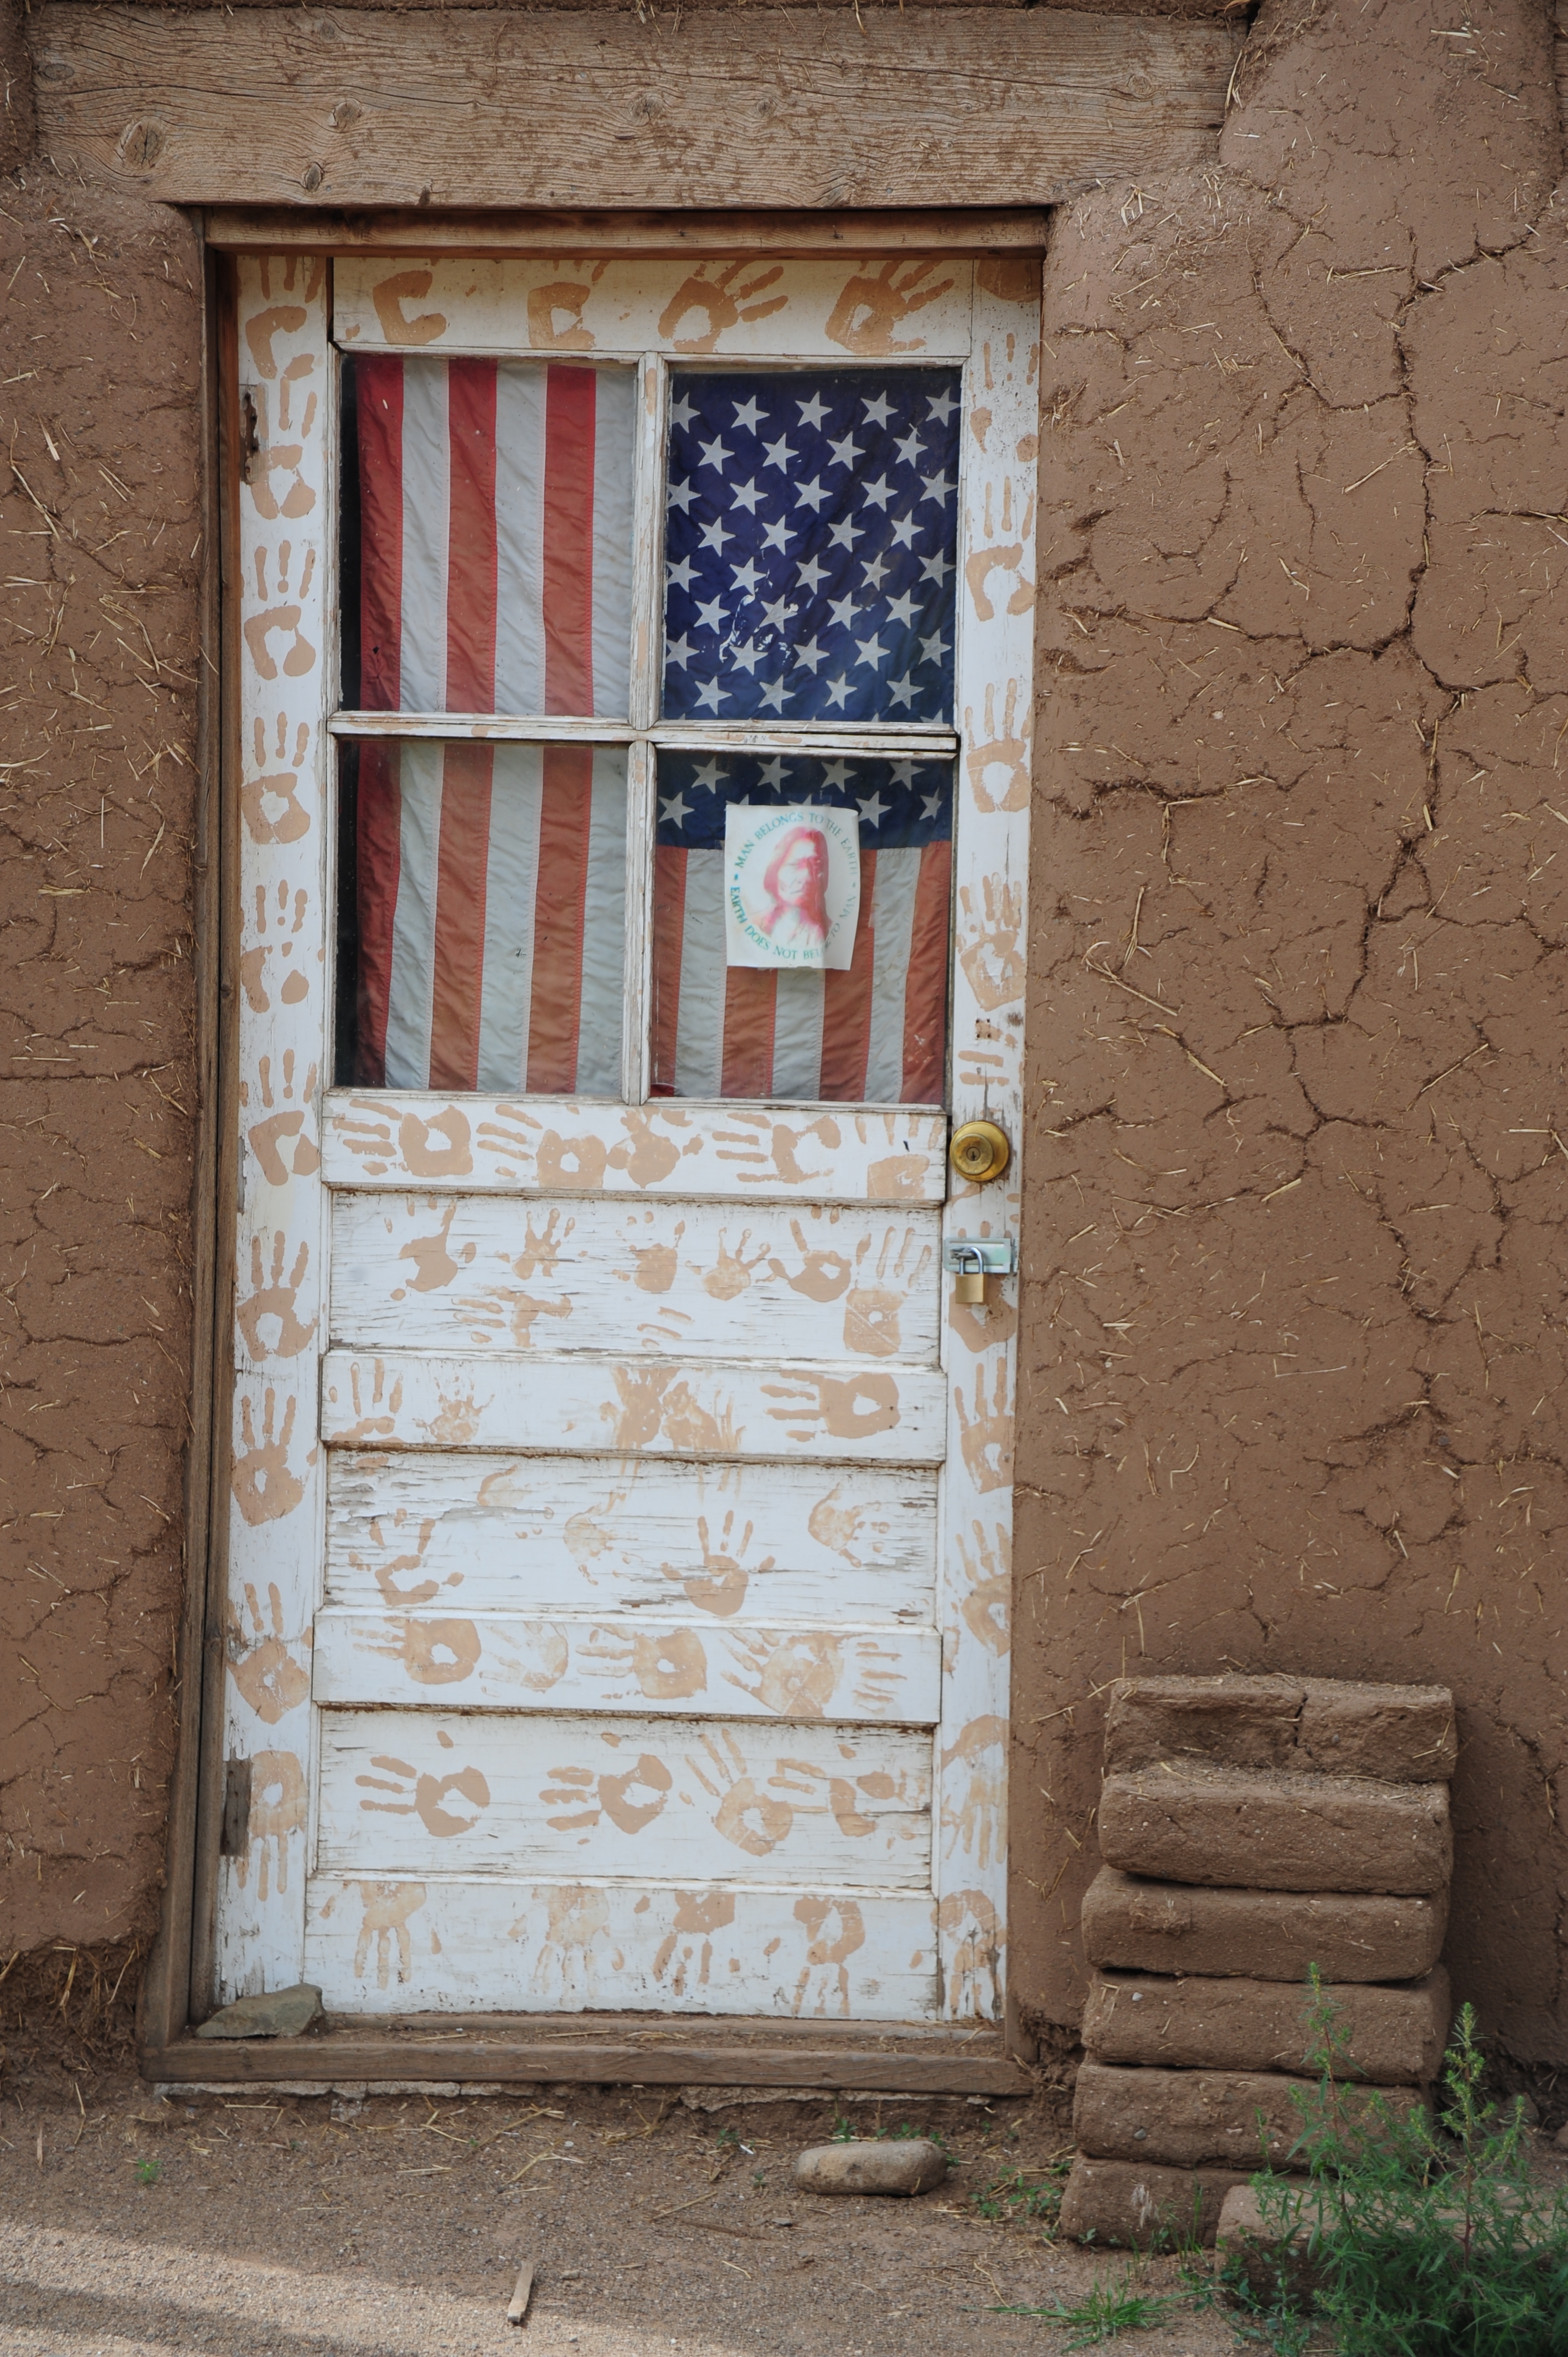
pixel 100 345
pixel 1294 1326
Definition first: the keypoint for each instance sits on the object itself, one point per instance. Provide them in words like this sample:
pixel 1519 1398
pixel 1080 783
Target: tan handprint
pixel 993 956
pixel 576 1914
pixel 872 1313
pixel 544 1659
pixel 975 1937
pixel 985 1437
pixel 590 1797
pixel 300 658
pixel 387 1909
pixel 556 313
pixel 657 1264
pixel 823 1272
pixel 645 1154
pixel 282 319
pixel 543 1247
pixel 265 1485
pixel 266 1673
pixel 385 1573
pixel 724 299
pixel 434 1653
pixel 585 1539
pixel 837 1527
pixel 988 1565
pixel 375 1417
pixel 899 1178
pixel 389 295
pixel 998 766
pixel 266 1136
pixel 458 1417
pixel 875 302
pixel 848 1408
pixel 274 1301
pixel 666 1667
pixel 766 1150
pixel 731 1272
pixel 421 1795
pixel 252 960
pixel 980 1326
pixel 974 1791
pixel 835 1929
pixel 451 1160
pixel 746 1815
pixel 277 1812
pixel 698 1915
pixel 804 1783
pixel 281 785
pixel 569 1162
pixel 434 1264
pixel 362 1128
pixel 795 1676
pixel 720 1586
pixel 654 1400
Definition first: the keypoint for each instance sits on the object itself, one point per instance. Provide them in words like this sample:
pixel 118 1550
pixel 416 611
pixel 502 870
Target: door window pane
pixel 873 1033
pixel 488 520
pixel 811 544
pixel 483 935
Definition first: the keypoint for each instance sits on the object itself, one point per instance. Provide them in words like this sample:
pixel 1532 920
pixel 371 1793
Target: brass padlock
pixel 979 1151
pixel 971 1285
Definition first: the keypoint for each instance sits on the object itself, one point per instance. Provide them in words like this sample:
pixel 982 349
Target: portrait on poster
pixel 791 887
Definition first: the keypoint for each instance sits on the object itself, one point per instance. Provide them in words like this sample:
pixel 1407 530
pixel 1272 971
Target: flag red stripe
pixel 846 1004
pixel 379 402
pixel 471 536
pixel 669 937
pixel 926 982
pixel 376 818
pixel 460 916
pixel 568 558
pixel 555 1008
pixel 751 1001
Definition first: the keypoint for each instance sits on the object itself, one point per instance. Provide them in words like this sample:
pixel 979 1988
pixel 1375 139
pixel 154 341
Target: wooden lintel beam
pixel 232 228
pixel 484 109
pixel 942 2067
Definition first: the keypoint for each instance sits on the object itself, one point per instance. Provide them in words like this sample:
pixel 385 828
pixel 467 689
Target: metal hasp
pixel 974 1258
pixel 979 1151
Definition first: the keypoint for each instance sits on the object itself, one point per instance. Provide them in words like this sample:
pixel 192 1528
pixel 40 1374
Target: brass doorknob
pixel 978 1151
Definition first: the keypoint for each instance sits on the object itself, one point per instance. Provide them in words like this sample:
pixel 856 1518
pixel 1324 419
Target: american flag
pixel 874 1034
pixel 495 575
pixel 494 521
pixel 811 532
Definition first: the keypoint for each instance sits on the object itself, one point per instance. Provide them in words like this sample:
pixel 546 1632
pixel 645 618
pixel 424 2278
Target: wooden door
pixel 619 1556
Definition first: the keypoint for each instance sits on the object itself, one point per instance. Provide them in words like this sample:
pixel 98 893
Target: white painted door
pixel 619 1556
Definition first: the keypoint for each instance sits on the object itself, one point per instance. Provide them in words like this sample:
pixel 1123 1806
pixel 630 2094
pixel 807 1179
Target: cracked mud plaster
pixel 1293 1384
pixel 100 351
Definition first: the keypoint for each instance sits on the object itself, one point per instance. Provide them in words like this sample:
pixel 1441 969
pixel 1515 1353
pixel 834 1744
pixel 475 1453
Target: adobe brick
pixel 1266 1936
pixel 1237 1829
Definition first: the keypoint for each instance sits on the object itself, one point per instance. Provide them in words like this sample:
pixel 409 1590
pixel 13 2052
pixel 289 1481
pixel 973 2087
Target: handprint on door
pixel 266 1673
pixel 630 1801
pixel 419 1793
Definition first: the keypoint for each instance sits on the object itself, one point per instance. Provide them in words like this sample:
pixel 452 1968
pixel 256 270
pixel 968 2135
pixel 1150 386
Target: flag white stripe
pixel 699 1023
pixel 604 931
pixel 519 539
pixel 615 398
pixel 893 921
pixel 412 994
pixel 797 1035
pixel 512 884
pixel 426 504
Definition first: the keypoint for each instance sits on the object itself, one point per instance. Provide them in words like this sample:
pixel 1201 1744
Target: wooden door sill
pixel 638 2050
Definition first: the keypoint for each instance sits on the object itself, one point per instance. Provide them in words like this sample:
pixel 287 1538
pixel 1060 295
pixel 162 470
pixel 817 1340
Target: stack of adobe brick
pixel 1252 1827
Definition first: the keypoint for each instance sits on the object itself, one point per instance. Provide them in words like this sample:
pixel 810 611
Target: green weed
pixel 1105 2311
pixel 1425 2237
pixel 1023 2194
pixel 148 2171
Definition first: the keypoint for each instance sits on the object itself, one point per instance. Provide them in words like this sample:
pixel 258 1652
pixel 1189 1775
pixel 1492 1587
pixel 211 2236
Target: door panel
pixel 398 1945
pixel 418 1273
pixel 615 1406
pixel 685 1800
pixel 486 1145
pixel 766 1543
pixel 515 1661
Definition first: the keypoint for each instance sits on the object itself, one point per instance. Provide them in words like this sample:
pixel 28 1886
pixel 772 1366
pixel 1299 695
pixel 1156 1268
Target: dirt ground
pixel 133 2224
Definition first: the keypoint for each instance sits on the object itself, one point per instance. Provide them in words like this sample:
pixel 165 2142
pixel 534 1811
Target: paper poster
pixel 791 887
